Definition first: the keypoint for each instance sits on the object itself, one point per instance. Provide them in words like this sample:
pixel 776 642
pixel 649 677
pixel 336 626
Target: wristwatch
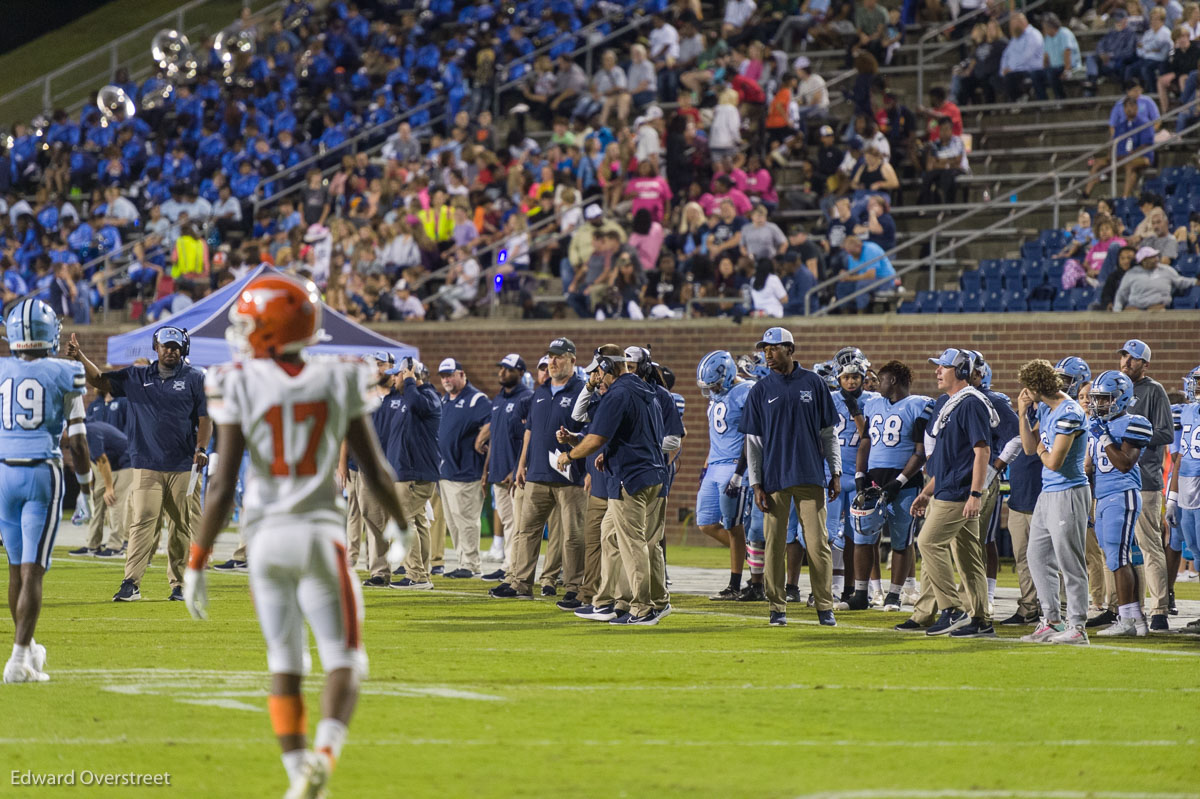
pixel 977 494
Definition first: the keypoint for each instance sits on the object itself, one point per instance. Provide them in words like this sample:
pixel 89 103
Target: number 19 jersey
pixel 294 426
pixel 893 428
pixel 724 418
pixel 33 403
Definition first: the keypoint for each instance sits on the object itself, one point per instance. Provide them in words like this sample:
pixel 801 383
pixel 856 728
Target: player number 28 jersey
pixel 1109 479
pixel 34 397
pixel 724 417
pixel 294 427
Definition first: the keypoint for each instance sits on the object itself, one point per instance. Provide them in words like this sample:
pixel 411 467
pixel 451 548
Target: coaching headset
pixel 173 334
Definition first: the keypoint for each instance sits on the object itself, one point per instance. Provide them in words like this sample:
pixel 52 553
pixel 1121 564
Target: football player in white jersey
pixel 291 413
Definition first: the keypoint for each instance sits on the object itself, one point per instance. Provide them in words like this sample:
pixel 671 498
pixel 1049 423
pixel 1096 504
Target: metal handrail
pixel 922 43
pixel 350 146
pixel 933 233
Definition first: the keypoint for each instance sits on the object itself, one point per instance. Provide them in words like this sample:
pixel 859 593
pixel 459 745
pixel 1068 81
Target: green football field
pixel 474 697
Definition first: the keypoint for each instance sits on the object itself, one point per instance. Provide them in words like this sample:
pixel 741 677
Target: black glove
pixel 891 490
pixel 851 403
pixel 860 483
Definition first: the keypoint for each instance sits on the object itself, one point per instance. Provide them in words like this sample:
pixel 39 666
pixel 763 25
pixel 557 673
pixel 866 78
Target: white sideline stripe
pixel 975 793
pixel 227 704
pixel 631 742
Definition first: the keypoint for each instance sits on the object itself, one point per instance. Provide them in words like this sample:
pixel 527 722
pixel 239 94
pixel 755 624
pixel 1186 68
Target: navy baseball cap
pixel 946 358
pixel 1136 348
pixel 512 361
pixel 776 335
pixel 561 346
pixel 449 366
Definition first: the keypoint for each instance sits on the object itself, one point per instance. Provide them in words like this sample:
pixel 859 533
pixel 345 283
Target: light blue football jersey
pixel 847 431
pixel 1109 479
pixel 1066 419
pixel 724 418
pixel 893 428
pixel 1187 439
pixel 33 400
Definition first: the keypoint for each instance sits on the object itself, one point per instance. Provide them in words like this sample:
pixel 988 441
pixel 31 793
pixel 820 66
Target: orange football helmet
pixel 274 315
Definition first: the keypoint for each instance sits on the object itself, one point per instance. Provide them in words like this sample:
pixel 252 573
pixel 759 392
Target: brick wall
pixel 1006 340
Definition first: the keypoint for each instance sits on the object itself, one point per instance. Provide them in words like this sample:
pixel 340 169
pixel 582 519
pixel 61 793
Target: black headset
pixel 645 366
pixel 964 364
pixel 187 340
pixel 607 364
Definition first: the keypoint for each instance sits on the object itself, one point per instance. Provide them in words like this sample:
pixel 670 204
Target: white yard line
pixel 975 793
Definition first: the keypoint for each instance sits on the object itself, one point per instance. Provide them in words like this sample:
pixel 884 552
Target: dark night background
pixel 25 20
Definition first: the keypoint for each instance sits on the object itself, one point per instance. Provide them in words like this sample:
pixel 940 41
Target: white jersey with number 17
pixel 294 426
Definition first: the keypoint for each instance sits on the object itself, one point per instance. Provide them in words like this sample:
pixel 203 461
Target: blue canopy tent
pixel 207 320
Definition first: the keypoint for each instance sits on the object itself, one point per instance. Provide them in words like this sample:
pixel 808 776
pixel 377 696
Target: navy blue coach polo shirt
pixel 953 459
pixel 788 413
pixel 105 439
pixel 631 421
pixel 411 437
pixel 1009 428
pixel 510 409
pixel 550 409
pixel 163 414
pixel 672 425
pixel 462 418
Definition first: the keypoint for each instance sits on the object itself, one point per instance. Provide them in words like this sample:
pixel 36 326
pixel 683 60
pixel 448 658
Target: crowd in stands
pixel 647 188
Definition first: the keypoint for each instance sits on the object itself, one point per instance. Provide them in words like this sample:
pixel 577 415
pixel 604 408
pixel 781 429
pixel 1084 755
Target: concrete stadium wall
pixel 1006 340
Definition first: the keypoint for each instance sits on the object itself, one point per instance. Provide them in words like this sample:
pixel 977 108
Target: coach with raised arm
pixel 789 420
pixel 168 431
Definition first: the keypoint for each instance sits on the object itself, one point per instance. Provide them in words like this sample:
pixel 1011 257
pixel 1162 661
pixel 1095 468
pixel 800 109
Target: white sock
pixel 991 589
pixel 860 585
pixel 498 543
pixel 331 736
pixel 756 569
pixel 293 762
pixel 876 586
pixel 20 653
pixel 839 584
pixel 910 583
pixel 895 589
pixel 1131 611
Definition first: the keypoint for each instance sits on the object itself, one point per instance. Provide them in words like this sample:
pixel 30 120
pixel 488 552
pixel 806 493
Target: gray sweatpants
pixel 1057 535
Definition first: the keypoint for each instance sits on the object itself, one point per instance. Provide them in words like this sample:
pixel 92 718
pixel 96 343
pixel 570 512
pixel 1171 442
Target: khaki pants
pixel 987 506
pixel 593 519
pixel 413 496
pixel 1101 585
pixel 437 532
pixel 462 504
pixel 508 508
pixel 613 587
pixel 1149 538
pixel 553 566
pixel 947 536
pixel 154 493
pixel 810 510
pixel 641 555
pixel 539 502
pixel 1018 530
pixel 116 517
pixel 354 520
pixel 374 519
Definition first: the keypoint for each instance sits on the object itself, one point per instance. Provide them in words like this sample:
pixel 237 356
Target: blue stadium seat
pixel 1032 249
pixel 927 302
pixel 971 280
pixel 1159 185
pixel 1188 265
pixel 908 306
pixel 1054 272
pixel 1015 300
pixel 1065 301
pixel 1014 275
pixel 1189 301
pixel 1083 297
pixel 993 301
pixel 949 302
pixel 972 302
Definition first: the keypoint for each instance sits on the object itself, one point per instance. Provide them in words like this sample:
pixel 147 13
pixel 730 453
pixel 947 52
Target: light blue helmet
pixel 31 326
pixel 1190 381
pixel 1111 395
pixel 827 371
pixel 754 365
pixel 716 372
pixel 1074 372
pixel 869 511
pixel 848 355
pixel 985 378
pixel 527 380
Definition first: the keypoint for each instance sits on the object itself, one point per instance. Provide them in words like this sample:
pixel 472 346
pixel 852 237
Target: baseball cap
pixel 802 62
pixel 401 285
pixel 946 358
pixel 855 143
pixel 449 366
pixel 512 361
pixel 1145 252
pixel 561 346
pixel 592 212
pixel 543 362
pixel 826 130
pixel 1136 348
pixel 776 335
pixel 636 355
pixel 383 356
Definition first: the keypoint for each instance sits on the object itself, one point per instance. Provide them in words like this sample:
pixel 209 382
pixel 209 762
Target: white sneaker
pixel 1071 635
pixel 16 671
pixel 841 606
pixel 1122 628
pixel 494 555
pixel 877 600
pixel 1043 632
pixel 910 598
pixel 991 610
pixel 313 777
pixel 1141 628
pixel 37 656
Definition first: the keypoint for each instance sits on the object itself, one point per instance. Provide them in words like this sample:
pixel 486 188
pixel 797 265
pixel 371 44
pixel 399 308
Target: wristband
pixel 77 429
pixel 83 479
pixel 1173 496
pixel 1105 441
pixel 859 475
pixel 977 494
pixel 199 556
pixel 901 479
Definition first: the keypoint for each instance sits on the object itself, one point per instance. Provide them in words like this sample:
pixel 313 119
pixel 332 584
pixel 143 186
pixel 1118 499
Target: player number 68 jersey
pixel 294 426
pixel 1109 480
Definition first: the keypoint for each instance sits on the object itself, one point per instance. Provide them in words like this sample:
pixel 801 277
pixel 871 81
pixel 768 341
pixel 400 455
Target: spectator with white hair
pixel 1152 50
pixel 725 133
pixel 1061 58
pixel 643 80
pixel 1149 285
pixel 1023 56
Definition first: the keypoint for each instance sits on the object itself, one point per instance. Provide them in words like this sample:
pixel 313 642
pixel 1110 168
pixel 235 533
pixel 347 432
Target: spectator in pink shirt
pixel 730 167
pixel 759 183
pixel 723 189
pixel 650 192
pixel 646 238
